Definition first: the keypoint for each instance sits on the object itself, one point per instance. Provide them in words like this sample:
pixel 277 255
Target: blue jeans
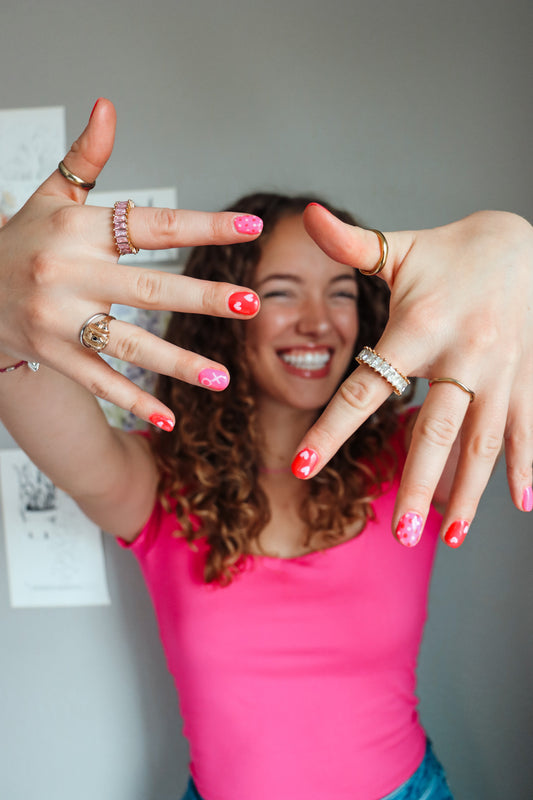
pixel 427 783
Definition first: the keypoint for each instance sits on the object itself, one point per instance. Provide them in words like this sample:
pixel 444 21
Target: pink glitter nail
pixel 409 528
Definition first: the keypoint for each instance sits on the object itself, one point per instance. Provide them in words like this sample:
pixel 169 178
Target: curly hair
pixel 210 464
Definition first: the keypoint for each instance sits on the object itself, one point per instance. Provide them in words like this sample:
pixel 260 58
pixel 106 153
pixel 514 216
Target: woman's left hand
pixel 461 308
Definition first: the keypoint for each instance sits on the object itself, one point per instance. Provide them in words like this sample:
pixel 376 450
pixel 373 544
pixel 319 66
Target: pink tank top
pixel 298 679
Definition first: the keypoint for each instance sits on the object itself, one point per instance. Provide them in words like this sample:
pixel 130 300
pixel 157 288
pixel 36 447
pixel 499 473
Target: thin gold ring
pixel 384 252
pixel 456 383
pixel 66 173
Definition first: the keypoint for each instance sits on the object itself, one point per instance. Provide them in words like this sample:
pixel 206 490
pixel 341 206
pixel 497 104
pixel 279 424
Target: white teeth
pixel 307 360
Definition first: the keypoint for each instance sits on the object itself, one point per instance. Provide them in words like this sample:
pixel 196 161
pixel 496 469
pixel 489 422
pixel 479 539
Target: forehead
pixel 290 251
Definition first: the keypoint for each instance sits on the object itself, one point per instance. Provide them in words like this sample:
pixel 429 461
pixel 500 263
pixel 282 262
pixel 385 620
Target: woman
pixel 295 656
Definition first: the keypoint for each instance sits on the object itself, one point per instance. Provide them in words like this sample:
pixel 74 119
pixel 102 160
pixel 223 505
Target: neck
pixel 282 430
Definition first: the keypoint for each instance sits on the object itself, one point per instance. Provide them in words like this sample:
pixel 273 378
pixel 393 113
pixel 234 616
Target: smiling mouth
pixel 306 360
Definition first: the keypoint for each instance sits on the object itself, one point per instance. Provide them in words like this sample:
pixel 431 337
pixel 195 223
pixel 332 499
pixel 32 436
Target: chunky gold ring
pixel 456 383
pixel 384 252
pixel 380 365
pixel 66 173
pixel 94 333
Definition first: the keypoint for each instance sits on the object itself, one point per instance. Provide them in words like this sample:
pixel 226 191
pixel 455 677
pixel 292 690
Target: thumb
pixel 87 156
pixel 349 244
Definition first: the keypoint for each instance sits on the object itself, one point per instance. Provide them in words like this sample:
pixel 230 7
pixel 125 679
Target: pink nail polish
pixel 245 303
pixel 409 528
pixel 165 423
pixel 248 223
pixel 527 499
pixel 304 463
pixel 215 379
pixel 455 535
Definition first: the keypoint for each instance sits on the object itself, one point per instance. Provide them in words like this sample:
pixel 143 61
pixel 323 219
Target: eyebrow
pixel 280 276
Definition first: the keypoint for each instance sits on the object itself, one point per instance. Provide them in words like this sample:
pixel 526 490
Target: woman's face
pixel 302 340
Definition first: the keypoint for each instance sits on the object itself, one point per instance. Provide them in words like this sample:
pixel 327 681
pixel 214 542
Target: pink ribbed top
pixel 298 679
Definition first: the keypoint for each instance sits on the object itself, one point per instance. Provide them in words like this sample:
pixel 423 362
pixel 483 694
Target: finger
pixel 356 399
pixel 519 446
pixel 434 434
pixel 481 443
pixel 88 154
pixel 152 289
pixel 161 228
pixel 355 246
pixel 132 344
pixel 99 378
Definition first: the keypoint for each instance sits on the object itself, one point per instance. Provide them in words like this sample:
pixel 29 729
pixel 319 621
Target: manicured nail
pixel 94 108
pixel 245 303
pixel 527 499
pixel 455 535
pixel 213 378
pixel 304 463
pixel 165 423
pixel 248 223
pixel 409 528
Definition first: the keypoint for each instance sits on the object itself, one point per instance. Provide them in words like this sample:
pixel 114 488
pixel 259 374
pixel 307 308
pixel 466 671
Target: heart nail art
pixel 304 463
pixel 245 303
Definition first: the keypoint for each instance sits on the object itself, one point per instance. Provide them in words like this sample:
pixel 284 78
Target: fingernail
pixel 455 535
pixel 94 108
pixel 304 463
pixel 213 378
pixel 409 528
pixel 245 303
pixel 527 499
pixel 248 223
pixel 165 423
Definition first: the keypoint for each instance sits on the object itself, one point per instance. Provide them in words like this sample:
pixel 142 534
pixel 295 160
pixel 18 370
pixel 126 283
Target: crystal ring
pixel 123 243
pixel 380 365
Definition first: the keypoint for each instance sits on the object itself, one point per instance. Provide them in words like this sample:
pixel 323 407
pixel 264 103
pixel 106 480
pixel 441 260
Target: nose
pixel 314 318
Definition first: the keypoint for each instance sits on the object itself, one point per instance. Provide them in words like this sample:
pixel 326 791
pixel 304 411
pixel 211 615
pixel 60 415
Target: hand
pixel 59 267
pixel 461 307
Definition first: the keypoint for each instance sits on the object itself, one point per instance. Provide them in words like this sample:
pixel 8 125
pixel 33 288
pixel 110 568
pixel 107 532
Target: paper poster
pixel 54 552
pixel 32 142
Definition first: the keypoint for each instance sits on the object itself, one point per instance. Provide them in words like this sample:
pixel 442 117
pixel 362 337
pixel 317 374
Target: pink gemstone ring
pixel 123 243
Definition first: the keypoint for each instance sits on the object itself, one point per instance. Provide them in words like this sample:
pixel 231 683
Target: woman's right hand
pixel 58 267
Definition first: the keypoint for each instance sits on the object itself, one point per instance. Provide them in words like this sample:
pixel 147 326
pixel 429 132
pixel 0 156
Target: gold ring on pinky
pixel 456 383
pixel 66 173
pixel 380 365
pixel 384 252
pixel 123 243
pixel 94 333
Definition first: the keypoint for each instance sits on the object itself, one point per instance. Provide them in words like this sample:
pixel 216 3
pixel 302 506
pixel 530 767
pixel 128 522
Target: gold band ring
pixel 94 333
pixel 456 383
pixel 384 252
pixel 79 182
pixel 380 365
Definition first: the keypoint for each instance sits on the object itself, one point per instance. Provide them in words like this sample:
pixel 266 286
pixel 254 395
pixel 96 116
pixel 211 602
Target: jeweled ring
pixel 123 243
pixel 380 365
pixel 456 383
pixel 384 252
pixel 94 333
pixel 66 173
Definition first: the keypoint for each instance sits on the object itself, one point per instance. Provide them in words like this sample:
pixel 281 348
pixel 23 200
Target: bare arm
pixel 110 474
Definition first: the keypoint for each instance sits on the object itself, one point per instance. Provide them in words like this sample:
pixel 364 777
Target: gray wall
pixel 412 114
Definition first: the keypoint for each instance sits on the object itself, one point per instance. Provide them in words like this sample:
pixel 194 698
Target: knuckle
pixel 356 394
pixel 148 288
pixel 128 349
pixel 438 431
pixel 485 445
pixel 99 388
pixel 165 223
pixel 44 269
pixel 67 219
